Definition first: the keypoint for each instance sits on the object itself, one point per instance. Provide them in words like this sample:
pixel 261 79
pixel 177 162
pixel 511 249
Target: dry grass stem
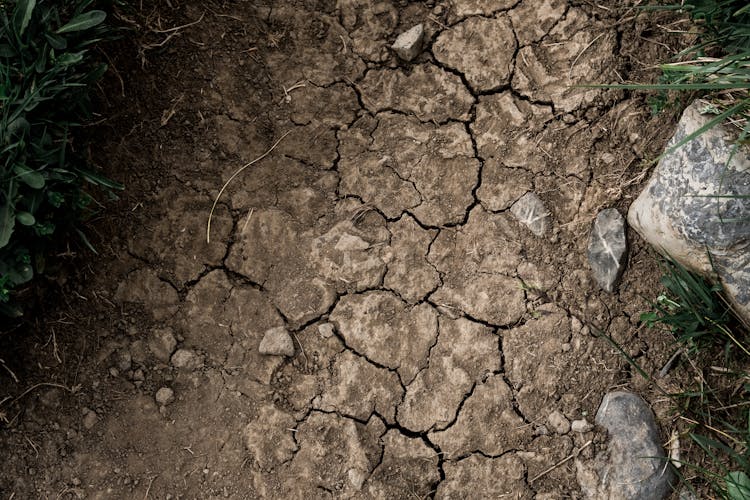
pixel 224 187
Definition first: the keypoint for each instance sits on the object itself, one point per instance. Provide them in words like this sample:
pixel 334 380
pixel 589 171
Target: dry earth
pixel 433 334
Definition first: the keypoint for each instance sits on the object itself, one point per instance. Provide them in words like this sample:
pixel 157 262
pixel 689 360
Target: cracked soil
pixel 434 335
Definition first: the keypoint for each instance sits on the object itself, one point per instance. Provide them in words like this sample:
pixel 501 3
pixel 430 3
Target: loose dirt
pixel 434 335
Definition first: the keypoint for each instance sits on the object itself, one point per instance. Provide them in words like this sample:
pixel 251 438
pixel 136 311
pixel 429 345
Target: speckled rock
pixel 678 214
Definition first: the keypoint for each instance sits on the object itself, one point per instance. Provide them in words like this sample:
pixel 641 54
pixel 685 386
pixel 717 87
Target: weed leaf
pixel 95 178
pixel 25 218
pixel 738 485
pixel 22 16
pixel 7 221
pixel 30 177
pixel 83 22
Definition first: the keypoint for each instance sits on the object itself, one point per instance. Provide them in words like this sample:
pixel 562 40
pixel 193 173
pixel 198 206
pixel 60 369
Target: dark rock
pixel 607 248
pixel 634 466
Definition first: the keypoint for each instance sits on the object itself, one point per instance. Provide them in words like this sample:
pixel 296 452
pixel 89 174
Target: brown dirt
pixel 433 334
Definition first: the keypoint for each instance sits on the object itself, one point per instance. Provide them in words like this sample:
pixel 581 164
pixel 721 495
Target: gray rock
pixel 277 342
pixel 164 396
pixel 162 344
pixel 530 211
pixel 558 422
pixel 678 213
pixel 607 248
pixel 185 359
pixel 408 45
pixel 634 465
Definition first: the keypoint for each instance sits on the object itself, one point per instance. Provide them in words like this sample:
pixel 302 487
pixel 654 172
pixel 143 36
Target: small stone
pixel 138 352
pixel 162 344
pixel 575 324
pixel 530 211
pixel 408 45
pixel 90 419
pixel 325 330
pixel 164 396
pixel 138 375
pixel 558 422
pixel 186 359
pixel 114 371
pixel 124 361
pixel 607 248
pixel 277 342
pixel 541 430
pixel 581 425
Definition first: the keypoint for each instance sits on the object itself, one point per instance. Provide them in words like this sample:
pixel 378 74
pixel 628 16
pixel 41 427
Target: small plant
pixel 695 311
pixel 702 321
pixel 717 68
pixel 46 73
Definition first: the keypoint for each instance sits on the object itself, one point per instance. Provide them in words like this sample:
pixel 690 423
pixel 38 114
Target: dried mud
pixel 434 334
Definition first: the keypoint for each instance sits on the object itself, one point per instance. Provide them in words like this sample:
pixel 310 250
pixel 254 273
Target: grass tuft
pixel 46 73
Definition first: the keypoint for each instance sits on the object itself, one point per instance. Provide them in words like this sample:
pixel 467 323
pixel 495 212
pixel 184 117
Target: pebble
pixel 186 359
pixel 558 422
pixel 581 425
pixel 277 342
pixel 90 419
pixel 162 344
pixel 575 324
pixel 138 352
pixel 325 330
pixel 164 396
pixel 408 44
